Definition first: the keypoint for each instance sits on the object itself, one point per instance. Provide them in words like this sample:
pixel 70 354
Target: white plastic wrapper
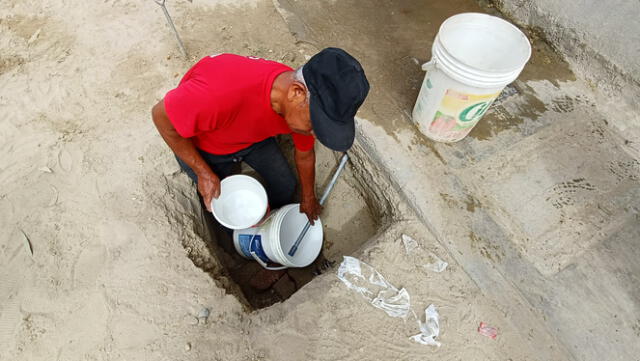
pixel 365 280
pixel 426 260
pixel 429 329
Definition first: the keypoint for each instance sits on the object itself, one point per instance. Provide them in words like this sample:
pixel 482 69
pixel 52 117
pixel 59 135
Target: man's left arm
pixel 306 166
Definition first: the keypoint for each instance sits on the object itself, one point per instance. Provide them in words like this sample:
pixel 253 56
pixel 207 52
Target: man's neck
pixel 279 91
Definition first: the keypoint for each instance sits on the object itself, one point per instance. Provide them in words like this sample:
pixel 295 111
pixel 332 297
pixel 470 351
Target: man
pixel 228 109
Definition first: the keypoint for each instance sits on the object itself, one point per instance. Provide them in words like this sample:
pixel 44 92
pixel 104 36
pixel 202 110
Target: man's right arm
pixel 208 181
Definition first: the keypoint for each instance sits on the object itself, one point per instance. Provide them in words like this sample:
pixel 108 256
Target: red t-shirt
pixel 224 103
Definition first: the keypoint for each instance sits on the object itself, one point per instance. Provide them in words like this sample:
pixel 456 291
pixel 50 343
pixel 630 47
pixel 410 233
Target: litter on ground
pixel 369 283
pixel 423 259
pixel 487 330
pixel 429 329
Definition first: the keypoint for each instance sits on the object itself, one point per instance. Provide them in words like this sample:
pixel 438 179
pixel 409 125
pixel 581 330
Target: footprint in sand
pixel 70 157
pixel 88 266
pixel 64 160
pixel 9 320
pixel 11 277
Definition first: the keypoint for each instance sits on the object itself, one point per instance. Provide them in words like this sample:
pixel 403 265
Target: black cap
pixel 337 87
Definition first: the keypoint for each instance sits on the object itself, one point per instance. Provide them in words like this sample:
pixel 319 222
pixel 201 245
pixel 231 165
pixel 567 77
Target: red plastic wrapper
pixel 487 330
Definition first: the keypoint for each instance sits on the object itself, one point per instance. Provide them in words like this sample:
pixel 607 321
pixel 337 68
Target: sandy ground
pixel 89 186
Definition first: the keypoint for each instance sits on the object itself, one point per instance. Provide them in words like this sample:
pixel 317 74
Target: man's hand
pixel 306 165
pixel 311 207
pixel 209 187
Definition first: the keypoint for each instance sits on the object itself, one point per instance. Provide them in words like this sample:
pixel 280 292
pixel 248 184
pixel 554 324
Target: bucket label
pixel 458 113
pixel 244 240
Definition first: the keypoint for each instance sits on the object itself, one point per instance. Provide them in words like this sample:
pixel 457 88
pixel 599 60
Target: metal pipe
pixel 343 162
pixel 166 14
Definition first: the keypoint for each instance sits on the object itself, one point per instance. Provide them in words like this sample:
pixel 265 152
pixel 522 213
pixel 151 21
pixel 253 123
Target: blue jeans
pixel 265 158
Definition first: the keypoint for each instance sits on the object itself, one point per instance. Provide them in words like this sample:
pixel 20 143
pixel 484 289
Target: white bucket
pixel 242 202
pixel 272 240
pixel 474 56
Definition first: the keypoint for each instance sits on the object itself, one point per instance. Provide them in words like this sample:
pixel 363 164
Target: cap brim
pixel 333 134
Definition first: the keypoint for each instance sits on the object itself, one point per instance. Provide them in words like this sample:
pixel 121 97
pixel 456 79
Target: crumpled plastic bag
pixel 429 329
pixel 420 256
pixel 487 330
pixel 365 280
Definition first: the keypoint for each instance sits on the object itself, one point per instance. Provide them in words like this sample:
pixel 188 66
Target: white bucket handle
pixel 430 65
pixel 261 262
pixel 255 256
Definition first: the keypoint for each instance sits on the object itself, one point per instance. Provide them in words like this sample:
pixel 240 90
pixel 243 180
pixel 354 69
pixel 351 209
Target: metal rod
pixel 343 162
pixel 166 14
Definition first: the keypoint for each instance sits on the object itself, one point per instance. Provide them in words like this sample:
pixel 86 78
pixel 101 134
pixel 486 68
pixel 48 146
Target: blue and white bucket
pixel 270 242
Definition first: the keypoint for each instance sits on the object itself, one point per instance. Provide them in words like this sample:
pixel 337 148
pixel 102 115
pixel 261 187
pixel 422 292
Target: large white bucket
pixel 271 241
pixel 474 56
pixel 242 202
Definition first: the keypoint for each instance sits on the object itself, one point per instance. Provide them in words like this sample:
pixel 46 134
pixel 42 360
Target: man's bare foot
pixel 264 279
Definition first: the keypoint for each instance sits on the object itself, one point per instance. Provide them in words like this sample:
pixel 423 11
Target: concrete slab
pixel 600 291
pixel 600 40
pixel 562 190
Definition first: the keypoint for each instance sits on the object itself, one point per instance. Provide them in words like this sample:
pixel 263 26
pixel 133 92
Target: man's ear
pixel 297 92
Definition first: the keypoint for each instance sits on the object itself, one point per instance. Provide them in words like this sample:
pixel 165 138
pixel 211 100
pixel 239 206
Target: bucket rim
pixel 472 79
pixel 262 195
pixel 234 177
pixel 444 56
pixel 282 253
pixel 497 19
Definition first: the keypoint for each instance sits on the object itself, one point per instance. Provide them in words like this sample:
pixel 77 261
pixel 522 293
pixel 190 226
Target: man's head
pixel 324 96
